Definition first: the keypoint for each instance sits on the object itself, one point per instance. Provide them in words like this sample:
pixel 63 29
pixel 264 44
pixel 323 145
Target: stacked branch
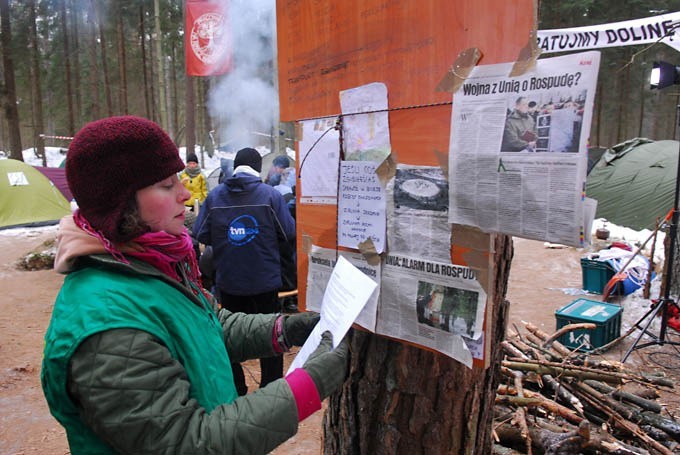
pixel 554 400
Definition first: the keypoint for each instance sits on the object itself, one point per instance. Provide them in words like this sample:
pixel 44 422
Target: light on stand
pixel 663 75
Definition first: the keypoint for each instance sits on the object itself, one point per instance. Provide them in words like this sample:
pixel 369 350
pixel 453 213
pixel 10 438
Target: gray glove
pixel 328 369
pixel 297 327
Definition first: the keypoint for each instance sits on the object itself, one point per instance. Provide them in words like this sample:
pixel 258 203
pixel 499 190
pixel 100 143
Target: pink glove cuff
pixel 305 393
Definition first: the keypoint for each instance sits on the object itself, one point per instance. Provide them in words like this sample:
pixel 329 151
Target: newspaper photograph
pixel 517 153
pixel 433 304
pixel 321 264
pixel 418 213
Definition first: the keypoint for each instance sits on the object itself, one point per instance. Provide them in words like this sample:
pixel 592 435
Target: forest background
pixel 68 62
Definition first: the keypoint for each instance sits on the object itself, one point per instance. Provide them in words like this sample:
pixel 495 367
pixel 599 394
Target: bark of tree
pixel 94 79
pixel 122 64
pixel 75 61
pixel 105 64
pixel 190 109
pixel 403 399
pixel 9 91
pixel 174 102
pixel 38 121
pixel 162 107
pixel 148 91
pixel 67 70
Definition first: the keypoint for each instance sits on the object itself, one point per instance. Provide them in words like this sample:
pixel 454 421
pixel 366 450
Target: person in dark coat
pixel 246 222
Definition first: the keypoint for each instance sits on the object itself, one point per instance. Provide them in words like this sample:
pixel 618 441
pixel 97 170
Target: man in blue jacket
pixel 246 221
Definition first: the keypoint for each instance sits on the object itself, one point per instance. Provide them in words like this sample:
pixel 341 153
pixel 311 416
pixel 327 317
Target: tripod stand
pixel 660 339
pixel 666 300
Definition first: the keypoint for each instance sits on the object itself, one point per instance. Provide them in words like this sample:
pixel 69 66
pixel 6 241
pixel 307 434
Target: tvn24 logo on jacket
pixel 242 230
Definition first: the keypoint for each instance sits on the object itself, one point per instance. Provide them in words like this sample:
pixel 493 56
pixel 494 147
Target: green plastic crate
pixel 606 316
pixel 596 274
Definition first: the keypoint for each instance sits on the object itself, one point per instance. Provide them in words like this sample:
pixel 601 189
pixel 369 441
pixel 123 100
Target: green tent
pixel 27 197
pixel 634 182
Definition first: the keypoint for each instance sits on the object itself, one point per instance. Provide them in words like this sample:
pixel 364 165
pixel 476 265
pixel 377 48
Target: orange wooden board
pixel 325 47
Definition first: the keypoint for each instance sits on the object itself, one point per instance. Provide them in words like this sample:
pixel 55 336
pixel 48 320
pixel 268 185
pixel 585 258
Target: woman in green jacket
pixel 137 359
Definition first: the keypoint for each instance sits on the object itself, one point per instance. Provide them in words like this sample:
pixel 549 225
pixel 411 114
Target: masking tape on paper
pixel 367 249
pixel 526 61
pixel 298 131
pixel 307 243
pixel 460 70
pixel 480 245
pixel 387 169
pixel 443 160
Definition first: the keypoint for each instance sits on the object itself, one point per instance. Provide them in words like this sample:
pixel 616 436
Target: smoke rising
pixel 245 100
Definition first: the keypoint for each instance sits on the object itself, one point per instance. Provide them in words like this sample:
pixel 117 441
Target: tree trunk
pixel 67 69
pixel 403 399
pixel 122 65
pixel 159 65
pixel 94 79
pixel 190 114
pixel 174 99
pixel 38 121
pixel 78 100
pixel 9 91
pixel 148 92
pixel 105 64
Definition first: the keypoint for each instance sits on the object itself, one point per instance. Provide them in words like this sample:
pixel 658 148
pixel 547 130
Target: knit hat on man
pixel 248 157
pixel 109 160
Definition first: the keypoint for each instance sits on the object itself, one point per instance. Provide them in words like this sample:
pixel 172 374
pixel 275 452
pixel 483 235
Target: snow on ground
pixel 55 155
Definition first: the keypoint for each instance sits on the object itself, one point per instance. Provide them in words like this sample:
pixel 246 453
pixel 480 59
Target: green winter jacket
pixel 135 363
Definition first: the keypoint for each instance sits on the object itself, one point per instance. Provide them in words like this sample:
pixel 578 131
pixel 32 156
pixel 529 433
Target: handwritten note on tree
pixel 361 205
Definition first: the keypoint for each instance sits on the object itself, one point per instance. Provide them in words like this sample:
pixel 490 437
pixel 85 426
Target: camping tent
pixel 57 175
pixel 634 182
pixel 27 197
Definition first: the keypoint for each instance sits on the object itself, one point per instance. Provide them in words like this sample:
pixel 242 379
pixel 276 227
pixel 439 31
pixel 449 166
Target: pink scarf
pixel 164 251
pixel 167 252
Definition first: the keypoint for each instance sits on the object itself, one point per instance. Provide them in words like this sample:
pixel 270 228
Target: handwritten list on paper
pixel 361 205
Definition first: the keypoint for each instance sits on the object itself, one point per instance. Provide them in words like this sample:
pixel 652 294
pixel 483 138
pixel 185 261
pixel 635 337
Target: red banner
pixel 207 38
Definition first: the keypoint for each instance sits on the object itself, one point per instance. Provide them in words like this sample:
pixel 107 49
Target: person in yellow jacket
pixel 193 180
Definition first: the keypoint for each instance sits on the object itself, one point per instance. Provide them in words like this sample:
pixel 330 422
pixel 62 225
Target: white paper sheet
pixel 361 205
pixel 348 291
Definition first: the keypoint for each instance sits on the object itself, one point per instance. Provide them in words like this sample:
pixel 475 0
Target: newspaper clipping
pixel 321 264
pixel 435 304
pixel 418 213
pixel 518 148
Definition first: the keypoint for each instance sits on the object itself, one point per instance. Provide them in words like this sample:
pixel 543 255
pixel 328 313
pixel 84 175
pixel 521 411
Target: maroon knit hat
pixel 109 160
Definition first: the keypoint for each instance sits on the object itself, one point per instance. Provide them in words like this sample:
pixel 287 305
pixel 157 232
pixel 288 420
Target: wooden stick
pixel 533 399
pixel 647 405
pixel 557 346
pixel 565 370
pixel 566 329
pixel 591 396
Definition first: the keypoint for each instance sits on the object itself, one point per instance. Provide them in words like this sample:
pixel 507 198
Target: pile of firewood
pixel 553 400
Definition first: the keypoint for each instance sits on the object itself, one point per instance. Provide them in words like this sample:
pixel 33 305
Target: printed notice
pixel 347 292
pixel 361 205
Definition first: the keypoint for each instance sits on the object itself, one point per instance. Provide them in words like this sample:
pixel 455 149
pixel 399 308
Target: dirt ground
pixel 538 280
